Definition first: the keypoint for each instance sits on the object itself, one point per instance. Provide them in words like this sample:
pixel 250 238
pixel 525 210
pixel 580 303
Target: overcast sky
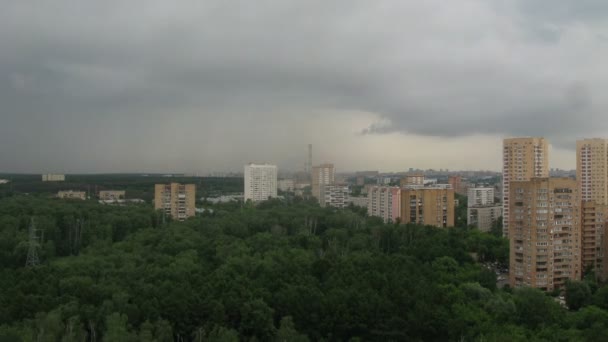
pixel 208 85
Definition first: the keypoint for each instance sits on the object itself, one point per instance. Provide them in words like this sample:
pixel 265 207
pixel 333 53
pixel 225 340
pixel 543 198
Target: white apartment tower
pixel 523 159
pixel 384 202
pixel 260 182
pixel 323 174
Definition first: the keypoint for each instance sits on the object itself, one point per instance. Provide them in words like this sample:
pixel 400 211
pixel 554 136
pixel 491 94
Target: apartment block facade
pixel 594 238
pixel 544 233
pixel 335 195
pixel 592 178
pixel 175 200
pixel 323 174
pixel 592 170
pixel 428 205
pixel 523 159
pixel 480 196
pixel 384 202
pixel 260 182
pixel 483 217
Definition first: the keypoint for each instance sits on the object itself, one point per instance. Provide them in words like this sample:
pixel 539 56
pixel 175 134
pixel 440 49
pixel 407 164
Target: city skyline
pixel 87 88
pixel 298 167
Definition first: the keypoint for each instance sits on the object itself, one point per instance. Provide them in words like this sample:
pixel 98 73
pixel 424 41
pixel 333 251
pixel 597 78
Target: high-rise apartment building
pixel 592 179
pixel 480 196
pixel 428 205
pixel 323 174
pixel 176 200
pixel 523 159
pixel 592 170
pixel 384 202
pixel 334 195
pixel 544 233
pixel 260 182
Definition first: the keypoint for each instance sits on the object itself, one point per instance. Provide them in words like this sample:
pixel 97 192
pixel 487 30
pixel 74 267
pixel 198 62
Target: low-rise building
pixel 52 177
pixel 122 201
pixel 109 195
pixel 224 199
pixel 70 194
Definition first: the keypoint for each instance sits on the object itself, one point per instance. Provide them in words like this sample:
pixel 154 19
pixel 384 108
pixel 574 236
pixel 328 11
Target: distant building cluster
pixel 52 177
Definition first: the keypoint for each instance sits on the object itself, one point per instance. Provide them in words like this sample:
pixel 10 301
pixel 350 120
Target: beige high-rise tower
pixel 545 233
pixel 592 178
pixel 592 170
pixel 176 200
pixel 523 159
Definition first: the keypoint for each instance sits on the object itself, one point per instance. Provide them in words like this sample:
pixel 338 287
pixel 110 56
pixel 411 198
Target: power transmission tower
pixel 33 245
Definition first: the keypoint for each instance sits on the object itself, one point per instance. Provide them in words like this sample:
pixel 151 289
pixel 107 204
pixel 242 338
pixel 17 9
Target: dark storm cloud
pixel 435 68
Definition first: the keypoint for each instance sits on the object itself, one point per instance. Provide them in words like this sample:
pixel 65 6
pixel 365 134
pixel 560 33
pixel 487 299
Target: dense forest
pixel 280 271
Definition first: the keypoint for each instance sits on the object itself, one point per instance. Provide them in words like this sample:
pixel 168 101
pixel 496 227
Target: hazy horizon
pixel 207 86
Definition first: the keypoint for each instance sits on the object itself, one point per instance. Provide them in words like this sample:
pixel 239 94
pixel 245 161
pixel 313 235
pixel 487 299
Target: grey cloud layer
pixel 425 67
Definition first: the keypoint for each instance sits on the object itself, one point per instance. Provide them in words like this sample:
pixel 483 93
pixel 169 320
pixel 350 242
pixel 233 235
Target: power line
pixel 33 246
